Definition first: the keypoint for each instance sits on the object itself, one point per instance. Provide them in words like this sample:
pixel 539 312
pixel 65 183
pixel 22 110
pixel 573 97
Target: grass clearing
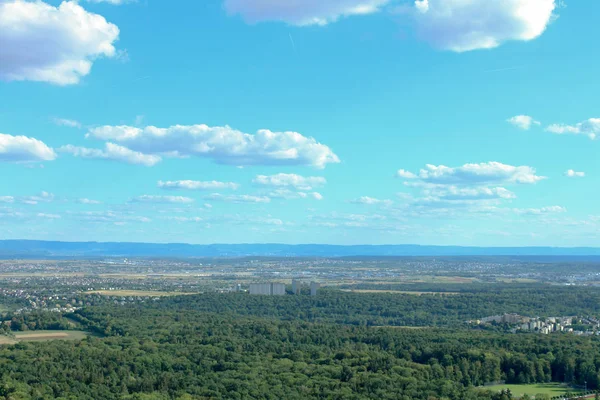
pixel 551 389
pixel 516 280
pixel 137 293
pixel 41 336
pixel 443 279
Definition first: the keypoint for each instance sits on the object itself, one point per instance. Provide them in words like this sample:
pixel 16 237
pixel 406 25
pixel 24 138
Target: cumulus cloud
pixel 113 152
pixel 456 25
pixel 301 12
pixel 523 121
pixel 41 42
pixel 162 199
pixel 242 198
pixel 7 199
pixel 290 180
pixel 224 145
pixel 23 148
pixel 574 174
pixel 464 25
pixel 71 123
pixel 197 185
pixel 405 174
pixel 589 127
pixel 468 190
pixel 478 174
pixel 113 2
pixel 371 201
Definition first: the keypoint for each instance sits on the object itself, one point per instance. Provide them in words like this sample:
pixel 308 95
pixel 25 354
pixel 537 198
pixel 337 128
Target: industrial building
pixel 268 289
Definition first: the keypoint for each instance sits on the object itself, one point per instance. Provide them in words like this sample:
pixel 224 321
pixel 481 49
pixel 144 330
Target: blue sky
pixel 455 122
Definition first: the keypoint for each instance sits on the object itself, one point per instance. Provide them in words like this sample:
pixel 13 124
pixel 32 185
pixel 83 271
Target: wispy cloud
pixel 71 123
pixel 242 198
pixel 197 185
pixel 162 199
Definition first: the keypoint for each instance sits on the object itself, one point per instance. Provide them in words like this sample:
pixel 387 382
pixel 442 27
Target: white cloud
pixel 478 193
pixel 478 174
pixel 286 194
pixel 574 174
pixel 422 6
pixel 243 198
pixel 113 2
pixel 286 180
pixel 467 190
pixel 371 201
pixel 40 42
pixel 540 211
pixel 23 148
pixel 291 194
pixel 43 197
pixel 405 174
pixel 112 152
pixel 185 219
pixel 464 25
pixel 237 219
pixel 48 216
pixel 162 199
pixel 589 127
pixel 88 201
pixel 523 121
pixel 317 196
pixel 301 12
pixel 197 185
pixel 117 218
pixel 364 221
pixel 222 144
pixel 71 123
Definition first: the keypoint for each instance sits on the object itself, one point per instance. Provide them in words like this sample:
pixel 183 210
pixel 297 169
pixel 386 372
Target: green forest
pixel 237 346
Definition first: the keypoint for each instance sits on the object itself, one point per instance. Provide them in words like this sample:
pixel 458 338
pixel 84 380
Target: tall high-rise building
pixel 296 286
pixel 314 287
pixel 277 289
pixel 268 289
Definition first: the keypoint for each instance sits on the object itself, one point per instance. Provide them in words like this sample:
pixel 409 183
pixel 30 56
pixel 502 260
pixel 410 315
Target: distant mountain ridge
pixel 37 249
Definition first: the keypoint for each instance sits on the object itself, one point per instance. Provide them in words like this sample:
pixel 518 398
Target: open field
pixel 551 389
pixel 136 293
pixel 516 280
pixel 416 293
pixel 39 336
pixel 441 279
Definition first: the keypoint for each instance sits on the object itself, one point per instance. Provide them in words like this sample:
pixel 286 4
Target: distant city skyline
pixel 432 122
